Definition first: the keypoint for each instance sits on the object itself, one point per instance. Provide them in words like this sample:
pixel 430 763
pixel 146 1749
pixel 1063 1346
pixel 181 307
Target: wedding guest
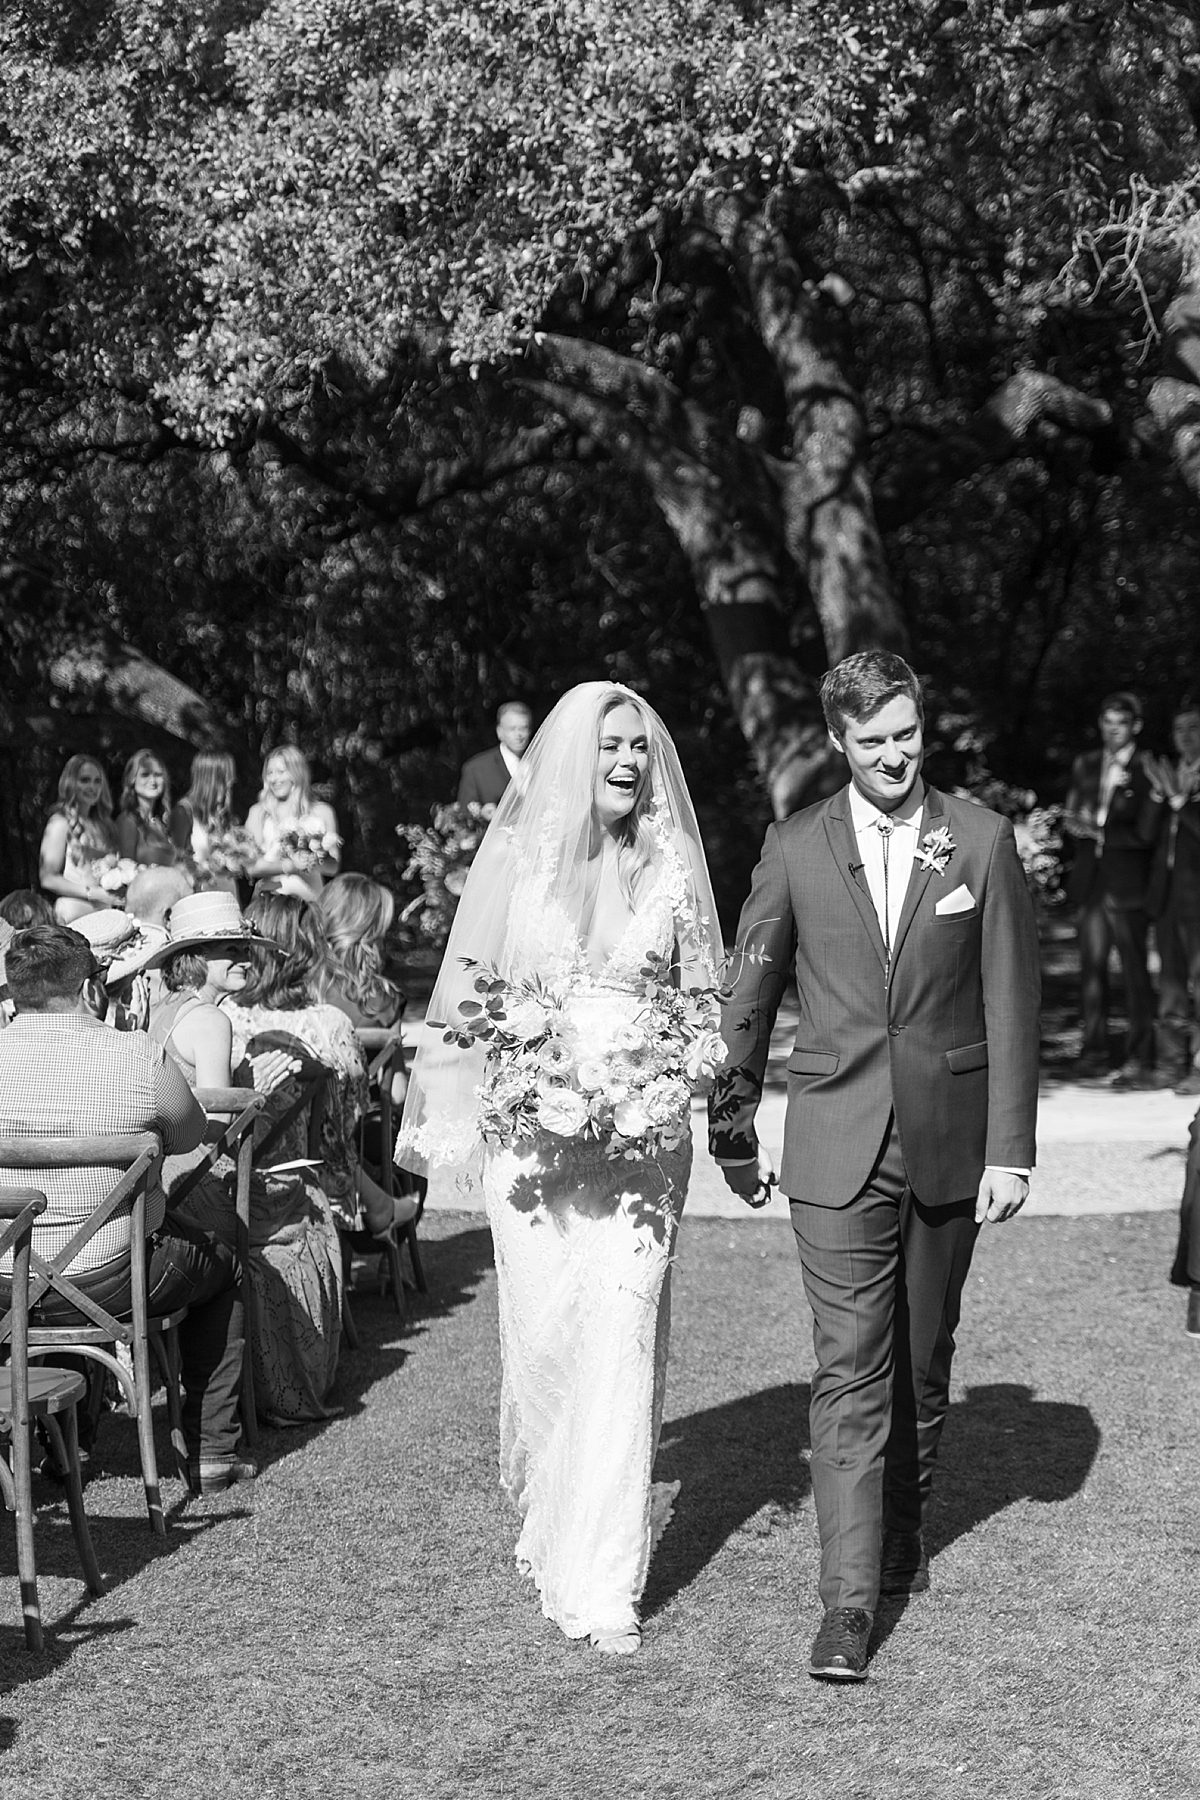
pixel 1112 812
pixel 25 907
pixel 485 777
pixel 79 832
pixel 61 1072
pixel 1174 900
pixel 153 892
pixel 357 915
pixel 205 811
pixel 286 800
pixel 143 820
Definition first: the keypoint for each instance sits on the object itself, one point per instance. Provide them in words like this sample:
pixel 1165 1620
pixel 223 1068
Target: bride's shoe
pixel 623 1642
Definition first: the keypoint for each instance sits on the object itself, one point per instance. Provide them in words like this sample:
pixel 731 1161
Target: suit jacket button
pixel 895 1030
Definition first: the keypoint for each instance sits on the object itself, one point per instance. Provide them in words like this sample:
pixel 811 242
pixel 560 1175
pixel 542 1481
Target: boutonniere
pixel 936 849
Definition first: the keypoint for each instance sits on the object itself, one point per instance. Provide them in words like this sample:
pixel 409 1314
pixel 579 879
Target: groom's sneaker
pixel 839 1651
pixel 904 1567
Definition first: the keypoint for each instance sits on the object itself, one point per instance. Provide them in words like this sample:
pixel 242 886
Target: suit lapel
pixel 839 829
pixel 932 816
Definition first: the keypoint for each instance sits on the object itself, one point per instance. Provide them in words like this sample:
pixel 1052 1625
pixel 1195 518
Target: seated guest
pixel 485 777
pixel 23 907
pixel 63 1073
pixel 357 915
pixel 153 892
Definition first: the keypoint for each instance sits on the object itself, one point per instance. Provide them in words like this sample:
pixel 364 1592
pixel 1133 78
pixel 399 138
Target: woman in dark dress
pixel 143 822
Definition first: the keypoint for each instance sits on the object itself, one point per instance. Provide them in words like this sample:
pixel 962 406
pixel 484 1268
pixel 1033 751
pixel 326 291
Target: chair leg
pixel 145 1427
pixel 349 1328
pixel 396 1272
pixel 66 1444
pixel 410 1238
pixel 31 1610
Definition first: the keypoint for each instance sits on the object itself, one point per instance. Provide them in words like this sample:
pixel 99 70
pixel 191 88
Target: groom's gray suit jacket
pixel 948 1040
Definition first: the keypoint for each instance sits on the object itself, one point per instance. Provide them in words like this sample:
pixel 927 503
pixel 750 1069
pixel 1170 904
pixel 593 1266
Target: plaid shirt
pixel 67 1075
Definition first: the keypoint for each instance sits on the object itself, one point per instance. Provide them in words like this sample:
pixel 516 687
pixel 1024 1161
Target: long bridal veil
pixel 521 909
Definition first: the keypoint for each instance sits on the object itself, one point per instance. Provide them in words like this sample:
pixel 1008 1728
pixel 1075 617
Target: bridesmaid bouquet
pixel 306 841
pixel 228 852
pixel 626 1086
pixel 114 873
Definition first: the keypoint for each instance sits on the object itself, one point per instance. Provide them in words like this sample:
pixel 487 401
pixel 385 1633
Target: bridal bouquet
pixel 306 841
pixel 628 1089
pixel 228 852
pixel 439 857
pixel 114 873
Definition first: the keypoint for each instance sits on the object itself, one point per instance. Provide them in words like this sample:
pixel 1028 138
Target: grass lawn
pixel 355 1626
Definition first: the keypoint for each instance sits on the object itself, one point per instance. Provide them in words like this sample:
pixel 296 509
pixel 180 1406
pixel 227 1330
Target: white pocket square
pixel 960 901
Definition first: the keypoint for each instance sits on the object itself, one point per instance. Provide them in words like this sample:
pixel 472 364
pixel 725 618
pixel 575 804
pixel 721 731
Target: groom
pixel 912 1095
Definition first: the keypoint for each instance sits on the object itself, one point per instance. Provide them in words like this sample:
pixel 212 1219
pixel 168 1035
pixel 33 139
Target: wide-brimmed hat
pixel 199 919
pixel 106 932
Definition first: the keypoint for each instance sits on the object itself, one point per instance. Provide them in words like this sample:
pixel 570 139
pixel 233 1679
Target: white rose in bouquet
pixel 631 1118
pixel 705 1055
pixel 592 1075
pixel 526 1020
pixel 562 1111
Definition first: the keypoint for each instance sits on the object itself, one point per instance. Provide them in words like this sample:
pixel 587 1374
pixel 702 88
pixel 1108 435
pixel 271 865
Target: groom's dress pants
pixel 884 1277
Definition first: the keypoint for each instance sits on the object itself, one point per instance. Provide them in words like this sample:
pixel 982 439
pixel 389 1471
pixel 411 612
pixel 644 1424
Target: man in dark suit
pixel 1113 812
pixel 485 777
pixel 1173 901
pixel 912 1097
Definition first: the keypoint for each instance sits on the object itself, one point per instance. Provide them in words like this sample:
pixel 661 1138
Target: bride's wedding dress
pixel 583 1253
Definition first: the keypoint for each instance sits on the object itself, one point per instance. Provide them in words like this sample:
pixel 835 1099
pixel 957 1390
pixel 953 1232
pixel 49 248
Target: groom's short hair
pixel 861 685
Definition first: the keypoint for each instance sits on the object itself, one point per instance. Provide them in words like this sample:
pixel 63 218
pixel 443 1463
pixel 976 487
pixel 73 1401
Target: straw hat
pixel 199 919
pixel 105 932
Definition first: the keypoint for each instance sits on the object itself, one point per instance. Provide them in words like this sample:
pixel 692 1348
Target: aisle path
pixel 1098 1151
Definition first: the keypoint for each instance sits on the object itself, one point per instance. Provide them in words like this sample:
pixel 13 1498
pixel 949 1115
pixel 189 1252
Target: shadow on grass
pixel 733 1461
pixel 124 1547
pixel 455 1265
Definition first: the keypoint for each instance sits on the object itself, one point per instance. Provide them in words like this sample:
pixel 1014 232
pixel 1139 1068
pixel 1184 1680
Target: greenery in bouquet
pixel 628 1090
pixel 440 855
pixel 114 873
pixel 1038 829
pixel 228 852
pixel 306 841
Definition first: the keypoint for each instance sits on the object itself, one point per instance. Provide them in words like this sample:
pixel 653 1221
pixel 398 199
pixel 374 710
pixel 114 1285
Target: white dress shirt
pixel 518 774
pixel 893 862
pixel 1112 776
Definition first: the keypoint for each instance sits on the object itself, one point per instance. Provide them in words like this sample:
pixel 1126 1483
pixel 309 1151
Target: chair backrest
pixel 240 1107
pixel 311 1097
pixel 21 1206
pixel 385 1049
pixel 139 1154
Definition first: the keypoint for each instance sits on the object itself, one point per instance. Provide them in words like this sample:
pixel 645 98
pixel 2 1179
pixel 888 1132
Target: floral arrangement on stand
pixel 440 854
pixel 1038 831
pixel 114 873
pixel 629 1092
pixel 306 841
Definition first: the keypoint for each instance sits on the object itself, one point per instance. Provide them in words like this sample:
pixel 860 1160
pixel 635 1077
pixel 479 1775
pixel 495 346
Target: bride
pixel 588 873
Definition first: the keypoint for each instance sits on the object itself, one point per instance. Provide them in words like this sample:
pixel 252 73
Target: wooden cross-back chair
pixel 239 1107
pixel 386 1057
pixel 139 1154
pixel 45 1395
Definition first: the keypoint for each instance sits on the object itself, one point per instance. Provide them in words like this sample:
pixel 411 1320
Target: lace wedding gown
pixel 583 1253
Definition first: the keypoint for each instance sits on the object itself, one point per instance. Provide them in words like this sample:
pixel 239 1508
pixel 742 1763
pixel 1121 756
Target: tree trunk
pixel 828 511
pixel 747 589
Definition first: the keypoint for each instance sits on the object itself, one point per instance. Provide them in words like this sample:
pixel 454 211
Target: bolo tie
pixel 886 828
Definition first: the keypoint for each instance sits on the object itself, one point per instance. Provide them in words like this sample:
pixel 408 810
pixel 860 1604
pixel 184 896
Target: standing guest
pixel 205 811
pixel 287 799
pixel 485 777
pixel 78 833
pixel 1112 811
pixel 143 821
pixel 63 1073
pixel 1174 900
pixel 357 914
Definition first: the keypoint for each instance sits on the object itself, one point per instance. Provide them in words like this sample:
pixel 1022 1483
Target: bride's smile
pixel 623 761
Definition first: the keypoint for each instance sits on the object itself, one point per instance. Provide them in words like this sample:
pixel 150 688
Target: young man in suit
pixel 1113 812
pixel 1173 900
pixel 912 1097
pixel 485 777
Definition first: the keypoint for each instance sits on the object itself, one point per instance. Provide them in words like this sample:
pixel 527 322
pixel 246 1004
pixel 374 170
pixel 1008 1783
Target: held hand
pixel 272 1069
pixel 752 1182
pixel 1163 778
pixel 1079 825
pixel 1000 1196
